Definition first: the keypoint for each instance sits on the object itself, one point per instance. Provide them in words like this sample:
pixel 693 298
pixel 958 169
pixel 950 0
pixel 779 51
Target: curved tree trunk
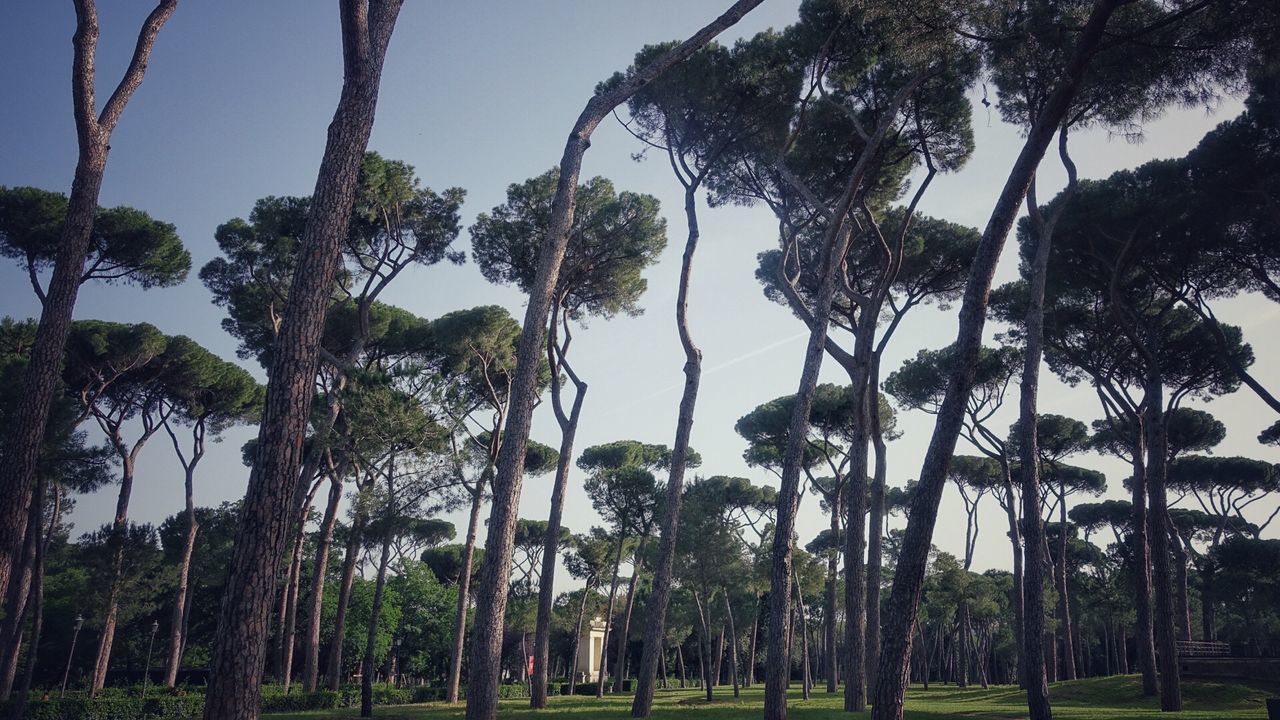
pixel 464 595
pixel 491 595
pixel 177 629
pixel 550 550
pixel 24 433
pixel 324 541
pixel 608 619
pixel 371 639
pixel 624 637
pixel 660 595
pixel 235 668
pixel 909 579
pixel 875 528
pixel 352 554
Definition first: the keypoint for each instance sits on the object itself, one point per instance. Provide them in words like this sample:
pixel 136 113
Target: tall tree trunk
pixel 1015 540
pixel 704 646
pixel 119 532
pixel 1144 633
pixel 909 578
pixel 550 550
pixel 577 635
pixel 717 667
pixel 20 591
pixel 751 650
pixel 624 638
pixel 801 618
pixel 660 595
pixel 1182 586
pixel 18 708
pixel 371 639
pixel 352 554
pixel 829 597
pixel 1162 582
pixel 875 528
pixel 1064 600
pixel 464 595
pixel 855 575
pixel 491 595
pixel 289 628
pixel 235 668
pixel 22 437
pixel 177 629
pixel 319 571
pixel 608 618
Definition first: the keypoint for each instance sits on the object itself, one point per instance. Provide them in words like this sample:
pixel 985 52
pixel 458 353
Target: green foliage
pixel 614 237
pixel 126 245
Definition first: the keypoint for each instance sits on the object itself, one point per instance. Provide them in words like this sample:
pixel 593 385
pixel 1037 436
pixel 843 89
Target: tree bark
pixel 491 595
pixel 235 668
pixel 289 627
pixel 704 647
pixel 550 550
pixel 22 438
pixel 624 638
pixel 829 599
pixel 875 530
pixel 371 639
pixel 352 554
pixel 20 591
pixel 608 618
pixel 176 631
pixel 1182 586
pixel 1144 633
pixel 1015 540
pixel 324 541
pixel 577 635
pixel 464 595
pixel 1162 582
pixel 660 595
pixel 1064 601
pixel 909 578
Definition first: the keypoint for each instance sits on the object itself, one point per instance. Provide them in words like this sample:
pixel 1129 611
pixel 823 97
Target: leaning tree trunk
pixel 608 618
pixel 895 651
pixel 352 550
pixel 551 546
pixel 119 530
pixel 733 644
pixel 24 434
pixel 176 632
pixel 371 639
pixel 20 591
pixel 235 668
pixel 491 595
pixel 704 646
pixel 289 627
pixel 660 594
pixel 624 637
pixel 464 595
pixel 18 709
pixel 315 613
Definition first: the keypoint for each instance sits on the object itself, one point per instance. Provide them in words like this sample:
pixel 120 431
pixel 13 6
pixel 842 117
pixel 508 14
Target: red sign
pixel 530 666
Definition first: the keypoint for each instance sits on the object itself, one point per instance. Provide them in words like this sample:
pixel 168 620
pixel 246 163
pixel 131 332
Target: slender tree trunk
pixel 324 541
pixel 464 591
pixel 289 629
pixel 1182 586
pixel 1015 540
pixel 806 683
pixel 1162 582
pixel 371 639
pixel 550 550
pixel 20 591
pixel 660 595
pixel 177 630
pixel 22 437
pixel 1064 601
pixel 875 530
pixel 829 597
pixel 1144 633
pixel 855 593
pixel 235 668
pixel 577 635
pixel 909 576
pixel 1122 650
pixel 624 638
pixel 684 680
pixel 352 554
pixel 751 652
pixel 704 647
pixel 486 648
pixel 119 531
pixel 1207 603
pixel 608 619
pixel 36 603
pixel 718 664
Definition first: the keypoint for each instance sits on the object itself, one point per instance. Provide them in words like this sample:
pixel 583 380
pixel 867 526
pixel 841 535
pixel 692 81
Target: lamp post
pixel 71 654
pixel 146 671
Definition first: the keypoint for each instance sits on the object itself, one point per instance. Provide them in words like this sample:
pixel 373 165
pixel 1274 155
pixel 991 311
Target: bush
pixel 168 707
pixel 586 688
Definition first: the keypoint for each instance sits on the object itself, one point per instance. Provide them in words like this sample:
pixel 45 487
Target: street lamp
pixel 71 654
pixel 146 672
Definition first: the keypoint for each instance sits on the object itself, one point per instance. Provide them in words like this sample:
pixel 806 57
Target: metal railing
pixel 1199 648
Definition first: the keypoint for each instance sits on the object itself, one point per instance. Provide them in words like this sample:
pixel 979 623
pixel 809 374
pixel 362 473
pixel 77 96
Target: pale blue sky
pixel 479 95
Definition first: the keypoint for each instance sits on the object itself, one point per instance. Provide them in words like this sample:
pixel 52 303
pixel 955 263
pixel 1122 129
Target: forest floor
pixel 1116 698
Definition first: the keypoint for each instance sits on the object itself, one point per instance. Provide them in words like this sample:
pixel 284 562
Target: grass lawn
pixel 1095 699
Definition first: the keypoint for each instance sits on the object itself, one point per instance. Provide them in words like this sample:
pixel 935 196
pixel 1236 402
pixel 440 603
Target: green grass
pixel 1116 698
